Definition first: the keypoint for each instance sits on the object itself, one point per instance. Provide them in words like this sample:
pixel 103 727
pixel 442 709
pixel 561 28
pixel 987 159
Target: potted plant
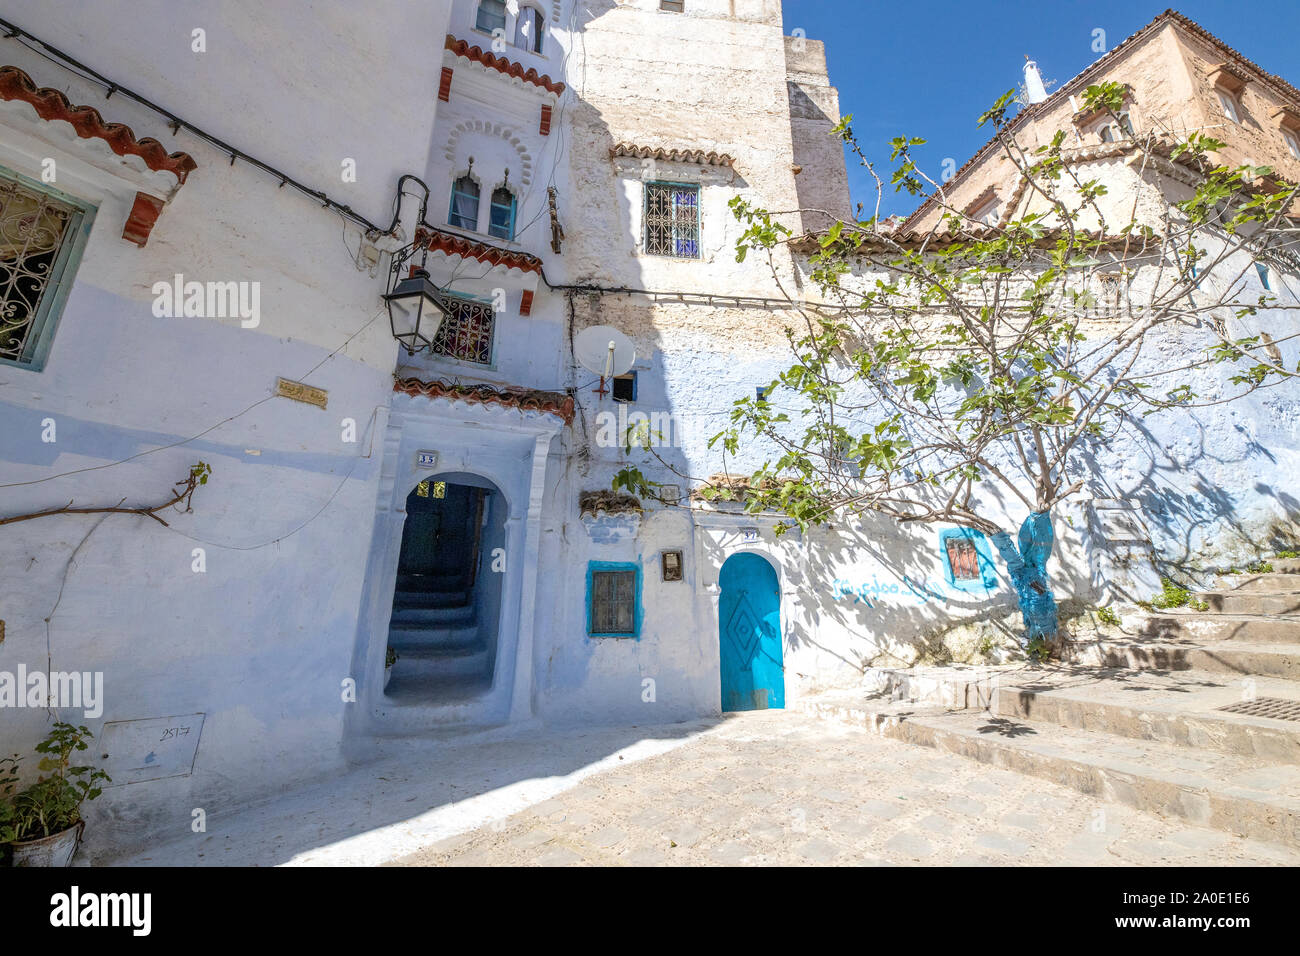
pixel 42 823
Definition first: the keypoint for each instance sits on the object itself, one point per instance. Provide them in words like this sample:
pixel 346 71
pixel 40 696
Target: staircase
pixel 1137 718
pixel 441 656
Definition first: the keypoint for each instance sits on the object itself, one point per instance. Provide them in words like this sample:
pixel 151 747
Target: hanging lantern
pixel 416 308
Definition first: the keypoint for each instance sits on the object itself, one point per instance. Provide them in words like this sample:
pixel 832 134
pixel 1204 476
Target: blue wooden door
pixel 749 634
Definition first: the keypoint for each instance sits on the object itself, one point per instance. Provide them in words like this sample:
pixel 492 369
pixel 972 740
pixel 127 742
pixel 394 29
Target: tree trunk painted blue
pixel 749 635
pixel 1027 566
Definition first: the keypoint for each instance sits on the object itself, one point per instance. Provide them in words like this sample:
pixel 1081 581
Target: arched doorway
pixel 447 601
pixel 749 635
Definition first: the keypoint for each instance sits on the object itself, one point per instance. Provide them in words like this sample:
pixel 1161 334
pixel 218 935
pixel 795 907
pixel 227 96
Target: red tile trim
pixel 51 104
pixel 144 213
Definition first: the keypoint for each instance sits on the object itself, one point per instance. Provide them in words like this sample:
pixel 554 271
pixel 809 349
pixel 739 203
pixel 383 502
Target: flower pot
pixel 57 849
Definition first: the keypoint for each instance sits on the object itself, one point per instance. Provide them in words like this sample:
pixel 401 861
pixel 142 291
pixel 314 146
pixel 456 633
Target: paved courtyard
pixel 781 787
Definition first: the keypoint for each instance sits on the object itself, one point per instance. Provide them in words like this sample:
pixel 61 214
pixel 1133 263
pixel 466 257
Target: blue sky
pixel 928 68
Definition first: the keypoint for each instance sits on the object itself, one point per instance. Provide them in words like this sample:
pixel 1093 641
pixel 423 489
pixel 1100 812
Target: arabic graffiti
pixel 876 591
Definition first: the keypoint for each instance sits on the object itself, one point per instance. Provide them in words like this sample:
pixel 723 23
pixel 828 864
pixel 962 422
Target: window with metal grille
pixel 964 559
pixel 464 204
pixel 466 332
pixel 613 602
pixel 40 236
pixel 491 15
pixel 501 222
pixel 672 220
pixel 672 6
pixel 529 29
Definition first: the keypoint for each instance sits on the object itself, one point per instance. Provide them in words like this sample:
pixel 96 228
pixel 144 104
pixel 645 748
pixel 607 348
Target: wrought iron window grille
pixel 672 220
pixel 38 235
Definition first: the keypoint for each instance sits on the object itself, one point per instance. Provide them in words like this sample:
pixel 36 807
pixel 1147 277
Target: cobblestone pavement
pixel 779 787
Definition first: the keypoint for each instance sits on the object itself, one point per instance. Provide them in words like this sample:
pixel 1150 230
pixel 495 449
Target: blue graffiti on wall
pixel 876 590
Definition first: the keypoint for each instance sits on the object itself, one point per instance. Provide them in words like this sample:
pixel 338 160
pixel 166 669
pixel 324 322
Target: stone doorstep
pixel 1233 601
pixel 1231 793
pixel 1180 709
pixel 1230 657
pixel 1274 581
pixel 1199 627
pixel 955 687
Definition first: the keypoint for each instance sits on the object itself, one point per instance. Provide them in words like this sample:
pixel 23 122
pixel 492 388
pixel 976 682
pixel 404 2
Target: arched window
pixel 491 16
pixel 502 219
pixel 529 29
pixel 464 204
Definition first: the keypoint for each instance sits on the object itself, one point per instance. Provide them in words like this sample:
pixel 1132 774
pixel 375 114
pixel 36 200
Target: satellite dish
pixel 603 350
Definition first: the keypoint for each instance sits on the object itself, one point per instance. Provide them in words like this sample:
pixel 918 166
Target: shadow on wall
pixel 1196 523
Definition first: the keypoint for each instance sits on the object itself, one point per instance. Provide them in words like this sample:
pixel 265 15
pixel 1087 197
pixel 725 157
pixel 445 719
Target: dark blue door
pixel 749 634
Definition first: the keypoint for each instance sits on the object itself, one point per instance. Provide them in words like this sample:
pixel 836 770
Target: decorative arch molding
pixel 498 130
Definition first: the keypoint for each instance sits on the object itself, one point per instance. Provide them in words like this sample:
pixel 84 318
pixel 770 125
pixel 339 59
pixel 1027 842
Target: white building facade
pixel 401 542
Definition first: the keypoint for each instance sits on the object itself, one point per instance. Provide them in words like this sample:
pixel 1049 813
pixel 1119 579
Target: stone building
pixel 553 166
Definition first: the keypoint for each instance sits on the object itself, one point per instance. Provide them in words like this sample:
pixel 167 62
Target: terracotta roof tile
pixel 51 104
pixel 524 399
pixel 697 156
pixel 502 65
pixel 454 245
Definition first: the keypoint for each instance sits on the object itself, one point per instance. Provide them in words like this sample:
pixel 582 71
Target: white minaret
pixel 1034 82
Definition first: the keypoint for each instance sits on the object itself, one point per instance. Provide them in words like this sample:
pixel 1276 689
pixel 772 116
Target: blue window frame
pixel 967 560
pixel 501 221
pixel 623 388
pixel 464 204
pixel 613 599
pixel 42 235
pixel 491 15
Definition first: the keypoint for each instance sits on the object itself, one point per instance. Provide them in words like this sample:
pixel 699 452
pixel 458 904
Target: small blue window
pixel 760 394
pixel 1263 276
pixel 967 560
pixel 502 221
pixel 613 599
pixel 625 387
pixel 464 204
pixel 491 15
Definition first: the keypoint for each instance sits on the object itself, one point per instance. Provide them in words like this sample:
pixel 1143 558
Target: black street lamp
pixel 416 308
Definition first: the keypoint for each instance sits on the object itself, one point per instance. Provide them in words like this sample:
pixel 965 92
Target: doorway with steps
pixel 447 600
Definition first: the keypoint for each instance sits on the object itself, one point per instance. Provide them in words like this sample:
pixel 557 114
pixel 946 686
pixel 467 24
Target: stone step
pixel 429 663
pixel 431 582
pixel 1288 581
pixel 412 636
pixel 1249 602
pixel 1181 709
pixel 415 704
pixel 1229 657
pixel 1180 626
pixel 1224 791
pixel 1286 565
pixel 434 616
pixel 408 599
